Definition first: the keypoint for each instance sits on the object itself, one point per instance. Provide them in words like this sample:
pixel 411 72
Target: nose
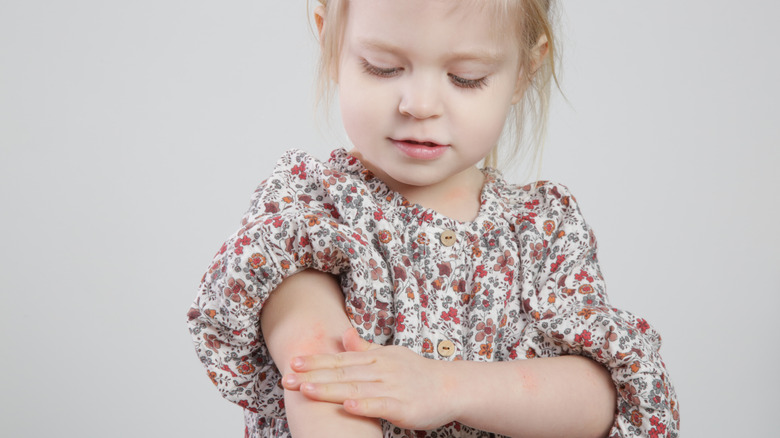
pixel 420 98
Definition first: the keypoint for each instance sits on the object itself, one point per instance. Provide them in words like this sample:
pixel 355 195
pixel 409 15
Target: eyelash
pixel 391 72
pixel 467 83
pixel 377 71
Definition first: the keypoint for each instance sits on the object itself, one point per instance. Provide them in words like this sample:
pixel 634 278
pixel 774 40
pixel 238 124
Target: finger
pixel 339 392
pixel 353 342
pixel 293 381
pixel 320 361
pixel 376 407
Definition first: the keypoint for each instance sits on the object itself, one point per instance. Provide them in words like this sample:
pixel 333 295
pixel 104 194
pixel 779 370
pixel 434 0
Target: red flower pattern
pixel 339 218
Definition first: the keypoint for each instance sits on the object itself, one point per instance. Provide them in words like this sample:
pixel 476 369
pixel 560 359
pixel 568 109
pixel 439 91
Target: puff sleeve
pixel 569 313
pixel 290 226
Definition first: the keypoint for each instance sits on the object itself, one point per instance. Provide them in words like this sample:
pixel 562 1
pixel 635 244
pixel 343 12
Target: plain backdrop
pixel 132 134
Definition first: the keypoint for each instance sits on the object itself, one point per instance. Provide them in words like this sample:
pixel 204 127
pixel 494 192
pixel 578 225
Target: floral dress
pixel 518 282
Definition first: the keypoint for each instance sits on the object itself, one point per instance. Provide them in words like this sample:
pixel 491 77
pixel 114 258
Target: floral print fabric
pixel 520 281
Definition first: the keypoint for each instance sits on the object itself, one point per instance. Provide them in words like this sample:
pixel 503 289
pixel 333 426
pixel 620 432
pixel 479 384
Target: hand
pixel 389 382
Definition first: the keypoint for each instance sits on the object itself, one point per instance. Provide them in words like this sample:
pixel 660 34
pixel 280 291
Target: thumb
pixel 353 342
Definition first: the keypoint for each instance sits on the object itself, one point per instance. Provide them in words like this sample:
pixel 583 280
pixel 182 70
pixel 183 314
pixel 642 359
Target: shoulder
pixel 541 197
pixel 296 180
pixel 545 210
pixel 302 183
pixel 295 168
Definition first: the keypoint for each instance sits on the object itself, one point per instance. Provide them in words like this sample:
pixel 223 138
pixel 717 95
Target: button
pixel 446 348
pixel 447 237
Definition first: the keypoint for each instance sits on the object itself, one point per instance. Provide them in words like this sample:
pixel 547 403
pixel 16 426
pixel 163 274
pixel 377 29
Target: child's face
pixel 425 71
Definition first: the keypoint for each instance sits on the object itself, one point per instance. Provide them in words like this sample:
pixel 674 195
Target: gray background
pixel 133 133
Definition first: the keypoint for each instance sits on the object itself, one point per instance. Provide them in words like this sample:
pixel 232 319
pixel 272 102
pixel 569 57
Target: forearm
pixel 547 397
pixel 305 315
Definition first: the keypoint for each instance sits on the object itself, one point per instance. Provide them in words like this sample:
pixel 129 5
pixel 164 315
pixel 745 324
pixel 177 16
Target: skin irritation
pixel 461 203
pixel 529 381
pixel 315 340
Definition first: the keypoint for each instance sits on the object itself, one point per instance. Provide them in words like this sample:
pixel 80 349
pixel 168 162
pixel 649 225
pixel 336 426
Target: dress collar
pixel 492 202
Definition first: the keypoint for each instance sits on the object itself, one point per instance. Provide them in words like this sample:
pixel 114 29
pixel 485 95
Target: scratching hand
pixel 389 382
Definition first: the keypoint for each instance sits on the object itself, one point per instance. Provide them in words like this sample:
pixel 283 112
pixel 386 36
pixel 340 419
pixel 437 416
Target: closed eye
pixel 390 72
pixel 379 71
pixel 467 83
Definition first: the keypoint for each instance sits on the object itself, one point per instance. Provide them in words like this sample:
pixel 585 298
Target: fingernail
pixel 290 380
pixel 307 387
pixel 297 362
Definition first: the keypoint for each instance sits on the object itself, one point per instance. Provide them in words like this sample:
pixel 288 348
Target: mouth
pixel 418 142
pixel 419 149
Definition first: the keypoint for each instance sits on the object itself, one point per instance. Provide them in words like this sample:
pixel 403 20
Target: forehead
pixel 431 27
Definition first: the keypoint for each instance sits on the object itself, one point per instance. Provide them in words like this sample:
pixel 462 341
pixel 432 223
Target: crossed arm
pixel 323 360
pixel 295 322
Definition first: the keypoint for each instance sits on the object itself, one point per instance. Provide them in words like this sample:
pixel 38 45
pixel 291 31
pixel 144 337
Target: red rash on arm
pixel 305 315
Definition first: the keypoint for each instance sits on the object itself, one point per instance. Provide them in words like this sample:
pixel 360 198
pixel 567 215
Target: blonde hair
pixel 533 28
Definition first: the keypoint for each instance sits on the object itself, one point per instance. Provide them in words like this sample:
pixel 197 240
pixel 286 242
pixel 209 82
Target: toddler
pixel 399 290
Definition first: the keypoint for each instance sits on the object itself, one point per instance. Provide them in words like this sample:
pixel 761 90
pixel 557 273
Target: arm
pixel 569 396
pixel 297 321
pixel 562 396
pixel 557 392
pixel 568 316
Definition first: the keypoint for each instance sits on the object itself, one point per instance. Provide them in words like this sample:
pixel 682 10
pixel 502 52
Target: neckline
pixel 488 197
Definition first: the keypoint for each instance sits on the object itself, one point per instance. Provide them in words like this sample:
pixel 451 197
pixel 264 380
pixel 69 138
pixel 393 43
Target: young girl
pixel 397 289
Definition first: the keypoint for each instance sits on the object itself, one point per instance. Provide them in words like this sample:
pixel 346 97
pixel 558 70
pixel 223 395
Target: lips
pixel 421 143
pixel 420 149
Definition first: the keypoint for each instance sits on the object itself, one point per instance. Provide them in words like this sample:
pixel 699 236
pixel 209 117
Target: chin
pixel 416 180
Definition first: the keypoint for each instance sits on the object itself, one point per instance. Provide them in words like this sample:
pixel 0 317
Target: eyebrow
pixel 486 56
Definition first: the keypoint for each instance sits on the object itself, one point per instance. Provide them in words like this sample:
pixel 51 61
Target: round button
pixel 447 237
pixel 446 348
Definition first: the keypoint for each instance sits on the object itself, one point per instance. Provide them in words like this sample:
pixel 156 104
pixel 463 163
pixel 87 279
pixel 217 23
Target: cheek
pixel 356 116
pixel 484 121
pixel 365 109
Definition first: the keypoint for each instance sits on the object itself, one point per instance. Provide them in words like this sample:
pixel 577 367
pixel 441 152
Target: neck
pixel 457 197
pixel 457 201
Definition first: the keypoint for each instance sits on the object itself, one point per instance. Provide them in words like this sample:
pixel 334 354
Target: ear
pixel 319 20
pixel 538 53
